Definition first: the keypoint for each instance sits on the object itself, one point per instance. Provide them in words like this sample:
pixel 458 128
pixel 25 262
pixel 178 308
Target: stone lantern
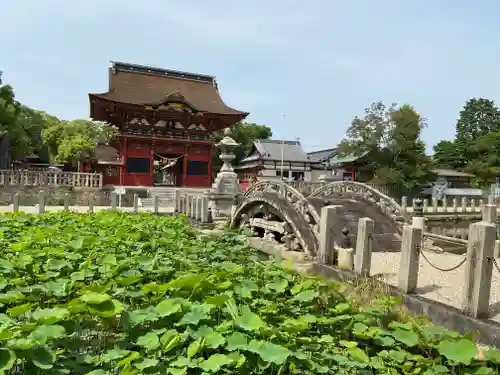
pixel 226 187
pixel 227 145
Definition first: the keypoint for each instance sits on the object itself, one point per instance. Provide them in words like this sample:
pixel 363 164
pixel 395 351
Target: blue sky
pixel 304 68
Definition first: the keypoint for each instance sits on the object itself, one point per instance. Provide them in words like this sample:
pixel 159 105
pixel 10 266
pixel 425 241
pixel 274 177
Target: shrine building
pixel 165 119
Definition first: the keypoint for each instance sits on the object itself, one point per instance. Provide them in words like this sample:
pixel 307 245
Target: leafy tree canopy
pixel 245 133
pixel 478 117
pixel 69 141
pixel 450 154
pixel 392 136
pixel 476 145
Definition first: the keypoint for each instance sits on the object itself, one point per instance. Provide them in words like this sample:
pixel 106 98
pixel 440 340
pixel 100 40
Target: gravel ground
pixel 444 287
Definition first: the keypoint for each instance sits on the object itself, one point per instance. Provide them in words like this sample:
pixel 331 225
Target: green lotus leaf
pixel 95 298
pixel 50 315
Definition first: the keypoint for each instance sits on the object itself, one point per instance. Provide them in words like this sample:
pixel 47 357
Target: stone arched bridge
pixel 279 212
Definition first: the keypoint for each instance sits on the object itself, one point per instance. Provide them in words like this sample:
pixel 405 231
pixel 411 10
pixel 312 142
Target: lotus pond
pixel 113 293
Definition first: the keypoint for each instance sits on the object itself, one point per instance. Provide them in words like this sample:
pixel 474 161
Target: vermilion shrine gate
pixel 165 120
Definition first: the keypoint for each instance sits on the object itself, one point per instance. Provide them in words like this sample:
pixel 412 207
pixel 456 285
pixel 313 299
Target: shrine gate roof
pixel 145 85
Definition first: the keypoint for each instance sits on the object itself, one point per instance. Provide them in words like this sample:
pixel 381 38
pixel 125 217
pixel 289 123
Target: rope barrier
pixel 495 264
pixel 442 269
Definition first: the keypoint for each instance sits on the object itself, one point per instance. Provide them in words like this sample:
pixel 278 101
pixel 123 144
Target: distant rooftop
pixel 274 149
pixel 451 173
pixel 321 155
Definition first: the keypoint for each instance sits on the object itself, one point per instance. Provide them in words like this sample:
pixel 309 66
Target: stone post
pixel 204 209
pixel 481 204
pixel 364 246
pixel 434 204
pixel 112 200
pixel 473 205
pixel 156 204
pixel 404 204
pixel 136 203
pixel 15 202
pixel 91 203
pixel 67 201
pixel 186 205
pixel 478 270
pixel 425 206
pixel 177 200
pixel 489 214
pixel 454 205
pixel 326 243
pixel 409 264
pixel 192 209
pixel 197 207
pixel 41 202
pixel 464 205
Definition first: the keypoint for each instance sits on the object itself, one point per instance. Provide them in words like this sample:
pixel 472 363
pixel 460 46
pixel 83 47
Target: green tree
pixel 476 147
pixel 478 117
pixel 245 134
pixel 23 126
pixel 486 163
pixel 392 136
pixel 450 154
pixel 32 123
pixel 9 112
pixel 370 133
pixel 70 141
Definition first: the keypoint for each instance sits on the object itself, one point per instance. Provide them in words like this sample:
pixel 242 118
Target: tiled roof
pixel 349 158
pixel 321 155
pixel 144 85
pixel 451 173
pixel 270 149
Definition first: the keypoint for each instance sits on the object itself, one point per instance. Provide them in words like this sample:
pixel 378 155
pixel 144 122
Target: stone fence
pixel 482 250
pixel 50 178
pixel 194 206
pixel 463 205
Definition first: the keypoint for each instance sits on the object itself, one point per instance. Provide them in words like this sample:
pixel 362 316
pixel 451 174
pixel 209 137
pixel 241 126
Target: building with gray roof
pixel 269 157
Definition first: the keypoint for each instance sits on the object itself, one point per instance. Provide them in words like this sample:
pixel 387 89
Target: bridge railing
pixel 50 178
pixel 457 205
pixel 463 205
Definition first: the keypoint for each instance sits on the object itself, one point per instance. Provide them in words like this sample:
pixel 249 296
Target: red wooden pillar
pixel 123 154
pixel 184 168
pixel 210 172
pixel 152 162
